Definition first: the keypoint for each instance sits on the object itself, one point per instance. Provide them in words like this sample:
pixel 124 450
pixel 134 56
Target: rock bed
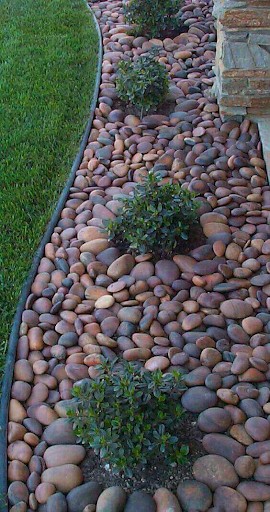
pixel 205 313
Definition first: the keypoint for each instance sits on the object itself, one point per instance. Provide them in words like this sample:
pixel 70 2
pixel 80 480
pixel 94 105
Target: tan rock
pixel 64 478
pixel 59 455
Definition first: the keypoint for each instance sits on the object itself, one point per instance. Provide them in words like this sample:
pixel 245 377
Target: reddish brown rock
pixel 214 419
pixel 229 499
pixel 166 501
pixel 219 444
pixel 254 491
pixel 194 495
pixel 235 308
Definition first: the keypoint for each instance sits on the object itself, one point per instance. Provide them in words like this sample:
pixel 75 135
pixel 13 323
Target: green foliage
pixel 155 218
pixel 48 63
pixel 152 17
pixel 128 415
pixel 144 82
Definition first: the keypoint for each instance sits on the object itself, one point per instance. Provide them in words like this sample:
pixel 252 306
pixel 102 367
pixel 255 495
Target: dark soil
pixel 158 473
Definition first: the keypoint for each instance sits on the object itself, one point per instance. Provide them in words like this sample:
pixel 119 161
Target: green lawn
pixel 48 63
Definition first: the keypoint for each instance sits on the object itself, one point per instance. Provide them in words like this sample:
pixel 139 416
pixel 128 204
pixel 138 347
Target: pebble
pixel 64 477
pixel 64 454
pixel 235 308
pixel 214 419
pixel 229 499
pixel 198 399
pixel 215 471
pixel 17 492
pixel 140 500
pixel 220 444
pixel 57 503
pixel 167 271
pixel 83 495
pixel 166 501
pixel 59 432
pixel 254 491
pixel 121 266
pixel 113 499
pixel 258 428
pixel 194 495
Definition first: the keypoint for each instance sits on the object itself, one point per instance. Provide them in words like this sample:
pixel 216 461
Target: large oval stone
pixel 112 499
pixel 17 492
pixel 194 495
pixel 121 266
pixel 167 271
pixel 220 444
pixel 142 271
pixel 236 308
pixel 229 499
pixel 142 501
pixel 59 432
pixel 83 495
pixel 262 474
pixel 166 501
pixel 214 419
pixel 57 503
pixel 199 398
pixel 64 478
pixel 60 454
pixel 215 471
pixel 258 428
pixel 254 491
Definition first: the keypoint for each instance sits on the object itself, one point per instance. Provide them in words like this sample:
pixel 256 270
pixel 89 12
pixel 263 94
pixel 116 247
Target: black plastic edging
pixel 26 288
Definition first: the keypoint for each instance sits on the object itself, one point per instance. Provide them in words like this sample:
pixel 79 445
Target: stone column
pixel 242 67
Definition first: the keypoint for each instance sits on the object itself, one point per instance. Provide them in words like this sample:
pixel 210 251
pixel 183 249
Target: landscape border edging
pixel 14 335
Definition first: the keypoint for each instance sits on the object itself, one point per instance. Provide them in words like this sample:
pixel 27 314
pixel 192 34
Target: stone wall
pixel 243 57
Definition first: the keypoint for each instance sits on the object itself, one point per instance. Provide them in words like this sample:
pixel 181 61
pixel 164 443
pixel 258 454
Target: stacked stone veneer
pixel 243 57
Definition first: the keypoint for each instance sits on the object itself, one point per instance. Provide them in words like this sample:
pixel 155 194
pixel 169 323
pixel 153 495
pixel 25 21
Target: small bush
pixel 144 82
pixel 155 219
pixel 128 414
pixel 152 17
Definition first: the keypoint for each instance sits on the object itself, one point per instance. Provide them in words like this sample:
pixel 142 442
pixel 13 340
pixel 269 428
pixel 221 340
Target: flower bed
pixel 205 313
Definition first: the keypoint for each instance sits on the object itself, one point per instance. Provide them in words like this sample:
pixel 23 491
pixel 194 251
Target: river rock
pixel 214 419
pixel 167 271
pixel 17 492
pixel 194 495
pixel 236 308
pixel 140 500
pixel 57 503
pixel 64 478
pixel 121 266
pixel 112 499
pixel 215 471
pixel 166 501
pixel 254 491
pixel 83 495
pixel 59 432
pixel 199 398
pixel 220 444
pixel 258 428
pixel 229 499
pixel 60 454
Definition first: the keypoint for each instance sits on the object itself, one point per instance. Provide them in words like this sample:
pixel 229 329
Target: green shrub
pixel 155 218
pixel 128 415
pixel 152 17
pixel 144 82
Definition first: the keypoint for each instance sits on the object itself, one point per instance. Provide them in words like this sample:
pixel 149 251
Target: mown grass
pixel 48 64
